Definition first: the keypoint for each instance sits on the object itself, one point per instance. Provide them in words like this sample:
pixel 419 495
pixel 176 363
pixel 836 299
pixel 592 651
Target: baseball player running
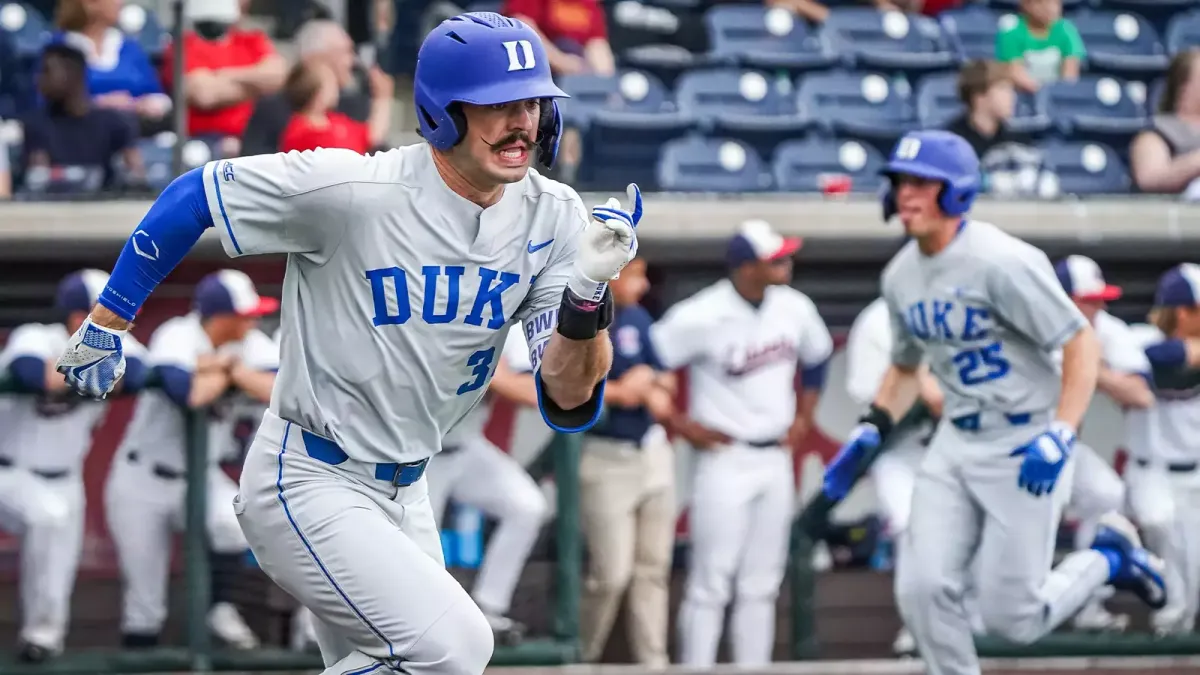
pixel 986 311
pixel 1124 371
pixel 47 434
pixel 196 359
pixel 404 270
pixel 1164 444
pixel 744 339
pixel 471 470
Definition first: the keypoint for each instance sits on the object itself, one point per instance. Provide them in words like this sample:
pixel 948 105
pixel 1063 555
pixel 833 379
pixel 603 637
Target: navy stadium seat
pixel 758 37
pixel 157 157
pixel 1094 108
pixel 621 147
pixel 1154 94
pixel 804 165
pixel 746 105
pixel 859 104
pixel 711 165
pixel 890 41
pixel 24 28
pixel 664 62
pixel 1183 32
pixel 629 90
pixel 1121 44
pixel 971 31
pixel 1085 168
pixel 1157 12
pixel 1012 5
pixel 142 24
pixel 937 100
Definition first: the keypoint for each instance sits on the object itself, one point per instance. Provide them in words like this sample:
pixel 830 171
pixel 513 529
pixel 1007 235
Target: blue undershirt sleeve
pixel 1167 354
pixel 176 383
pixel 813 377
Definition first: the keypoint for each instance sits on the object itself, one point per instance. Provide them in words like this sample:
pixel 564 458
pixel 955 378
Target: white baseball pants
pixel 481 475
pixel 363 555
pixel 1166 505
pixel 743 500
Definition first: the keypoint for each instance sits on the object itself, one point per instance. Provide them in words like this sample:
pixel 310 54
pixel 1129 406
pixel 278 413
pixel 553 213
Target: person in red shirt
pixel 226 68
pixel 312 91
pixel 574 32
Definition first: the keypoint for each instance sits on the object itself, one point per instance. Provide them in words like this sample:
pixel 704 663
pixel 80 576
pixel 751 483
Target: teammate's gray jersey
pixel 990 313
pixel 398 291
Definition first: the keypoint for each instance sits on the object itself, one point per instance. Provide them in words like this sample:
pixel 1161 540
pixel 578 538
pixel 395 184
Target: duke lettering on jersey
pixel 952 321
pixel 390 296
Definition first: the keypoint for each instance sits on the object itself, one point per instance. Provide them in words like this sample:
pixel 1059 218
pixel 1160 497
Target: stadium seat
pixel 157 157
pixel 1121 44
pixel 863 105
pixel 937 100
pixel 1094 108
pixel 1158 12
pixel 1011 5
pixel 1086 168
pixel 971 31
pixel 630 90
pixel 890 41
pixel 24 28
pixel 665 62
pixel 758 37
pixel 711 165
pixel 621 147
pixel 746 105
pixel 1183 32
pixel 1154 94
pixel 806 165
pixel 142 24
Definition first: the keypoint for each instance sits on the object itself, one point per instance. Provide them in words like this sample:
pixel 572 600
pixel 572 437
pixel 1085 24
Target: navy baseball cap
pixel 1082 279
pixel 79 291
pixel 1179 287
pixel 755 241
pixel 231 292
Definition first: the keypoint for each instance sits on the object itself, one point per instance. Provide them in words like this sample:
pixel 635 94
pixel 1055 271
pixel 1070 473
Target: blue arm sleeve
pixel 168 231
pixel 176 383
pixel 135 375
pixel 30 372
pixel 1167 354
pixel 813 377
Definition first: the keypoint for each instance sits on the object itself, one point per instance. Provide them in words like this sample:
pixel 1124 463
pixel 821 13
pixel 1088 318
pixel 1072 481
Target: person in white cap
pixel 197 358
pixel 47 433
pixel 1163 474
pixel 744 339
pixel 1123 377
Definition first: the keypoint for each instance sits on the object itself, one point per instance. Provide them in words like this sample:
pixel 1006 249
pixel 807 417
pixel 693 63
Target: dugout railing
pixel 200 653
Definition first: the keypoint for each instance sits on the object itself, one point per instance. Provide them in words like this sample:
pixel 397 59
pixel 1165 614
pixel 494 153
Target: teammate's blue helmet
pixel 935 155
pixel 485 59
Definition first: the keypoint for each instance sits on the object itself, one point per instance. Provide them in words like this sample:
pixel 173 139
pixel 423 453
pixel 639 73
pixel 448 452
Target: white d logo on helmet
pixel 908 148
pixel 522 60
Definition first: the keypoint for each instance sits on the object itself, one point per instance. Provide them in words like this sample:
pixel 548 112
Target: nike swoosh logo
pixel 534 248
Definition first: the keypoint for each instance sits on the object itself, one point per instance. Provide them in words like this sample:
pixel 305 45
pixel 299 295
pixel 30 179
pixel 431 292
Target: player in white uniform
pixel 46 437
pixel 196 358
pixel 1096 488
pixel 1163 474
pixel 405 268
pixel 987 314
pixel 472 471
pixel 743 339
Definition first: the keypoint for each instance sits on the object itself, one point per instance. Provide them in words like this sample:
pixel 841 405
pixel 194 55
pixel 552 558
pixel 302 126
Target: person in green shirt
pixel 1039 45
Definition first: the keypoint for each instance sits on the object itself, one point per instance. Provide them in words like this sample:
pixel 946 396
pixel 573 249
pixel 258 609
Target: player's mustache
pixel 513 138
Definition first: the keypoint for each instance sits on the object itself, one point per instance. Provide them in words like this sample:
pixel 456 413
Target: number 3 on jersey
pixel 981 364
pixel 480 364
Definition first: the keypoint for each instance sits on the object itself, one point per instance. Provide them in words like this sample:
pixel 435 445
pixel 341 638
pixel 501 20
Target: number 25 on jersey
pixel 957 321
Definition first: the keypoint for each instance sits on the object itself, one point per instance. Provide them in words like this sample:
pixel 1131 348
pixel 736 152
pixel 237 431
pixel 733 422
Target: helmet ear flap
pixel 549 133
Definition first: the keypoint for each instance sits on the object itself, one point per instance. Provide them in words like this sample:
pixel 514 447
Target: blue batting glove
pixel 93 361
pixel 839 475
pixel 1044 459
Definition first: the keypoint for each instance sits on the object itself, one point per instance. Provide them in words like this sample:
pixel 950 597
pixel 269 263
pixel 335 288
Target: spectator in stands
pixel 1166 157
pixel 1010 163
pixel 926 7
pixel 119 73
pixel 71 132
pixel 324 42
pixel 312 90
pixel 574 31
pixel 226 69
pixel 1040 46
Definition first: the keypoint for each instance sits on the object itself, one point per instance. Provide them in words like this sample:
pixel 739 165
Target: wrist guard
pixel 880 419
pixel 580 319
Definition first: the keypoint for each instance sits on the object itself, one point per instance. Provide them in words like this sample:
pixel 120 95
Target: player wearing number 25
pixel 404 271
pixel 989 315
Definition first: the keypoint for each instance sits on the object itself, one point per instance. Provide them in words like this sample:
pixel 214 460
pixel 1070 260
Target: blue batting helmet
pixel 940 156
pixel 485 59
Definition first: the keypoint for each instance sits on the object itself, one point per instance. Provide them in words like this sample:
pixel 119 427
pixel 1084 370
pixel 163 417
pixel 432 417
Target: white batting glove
pixel 608 243
pixel 94 360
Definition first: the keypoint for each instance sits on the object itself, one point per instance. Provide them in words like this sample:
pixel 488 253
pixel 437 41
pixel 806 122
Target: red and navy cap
pixel 1179 287
pixel 1082 279
pixel 78 291
pixel 231 292
pixel 755 241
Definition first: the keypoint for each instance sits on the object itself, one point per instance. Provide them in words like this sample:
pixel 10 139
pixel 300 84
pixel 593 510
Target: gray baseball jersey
pixel 398 291
pixel 991 315
pixel 516 357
